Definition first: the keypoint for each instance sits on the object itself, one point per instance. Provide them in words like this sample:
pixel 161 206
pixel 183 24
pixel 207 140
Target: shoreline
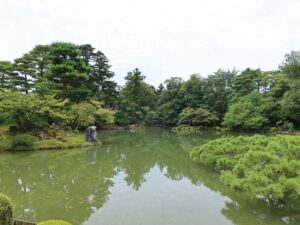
pixel 76 140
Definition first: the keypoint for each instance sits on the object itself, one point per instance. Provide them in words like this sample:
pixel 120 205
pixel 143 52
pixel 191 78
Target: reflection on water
pixel 135 178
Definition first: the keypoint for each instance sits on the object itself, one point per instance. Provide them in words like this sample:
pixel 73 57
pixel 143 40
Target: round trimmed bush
pixel 54 222
pixel 23 141
pixel 6 210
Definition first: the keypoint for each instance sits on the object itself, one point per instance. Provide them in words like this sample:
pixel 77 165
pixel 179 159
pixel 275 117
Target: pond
pixel 141 177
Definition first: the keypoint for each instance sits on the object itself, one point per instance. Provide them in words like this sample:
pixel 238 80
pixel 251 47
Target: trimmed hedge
pixel 54 222
pixel 265 167
pixel 23 141
pixel 6 210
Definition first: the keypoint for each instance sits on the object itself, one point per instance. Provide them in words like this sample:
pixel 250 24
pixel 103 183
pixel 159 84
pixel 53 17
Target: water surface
pixel 141 177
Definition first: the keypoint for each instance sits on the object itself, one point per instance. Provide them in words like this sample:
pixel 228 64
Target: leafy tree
pixel 122 118
pixel 24 68
pixel 6 74
pixel 69 71
pixel 133 89
pixel 100 75
pixel 245 83
pixel 278 84
pixel 104 116
pixel 137 95
pixel 40 57
pixel 291 65
pixel 196 117
pixel 30 111
pixel 171 101
pixel 194 93
pixel 248 112
pixel 217 91
pixel 290 104
pixel 152 118
pixel 88 113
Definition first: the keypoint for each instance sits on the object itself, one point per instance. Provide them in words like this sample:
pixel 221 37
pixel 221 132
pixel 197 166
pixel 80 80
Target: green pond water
pixel 141 177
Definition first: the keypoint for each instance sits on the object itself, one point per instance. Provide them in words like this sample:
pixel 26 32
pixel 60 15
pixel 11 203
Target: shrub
pixel 264 167
pixel 273 129
pixel 122 119
pixel 54 222
pixel 104 116
pixel 185 129
pixel 151 118
pixel 23 141
pixel 6 210
pixel 5 143
pixel 13 128
pixel 197 117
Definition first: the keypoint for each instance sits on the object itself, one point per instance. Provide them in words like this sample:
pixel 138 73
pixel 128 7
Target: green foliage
pixel 63 69
pixel 171 101
pixel 250 99
pixel 185 129
pixel 217 91
pixel 245 83
pixel 25 71
pixel 291 64
pixel 248 112
pixel 290 103
pixel 88 113
pixel 194 92
pixel 54 222
pixel 122 118
pixel 99 76
pixel 29 111
pixel 104 116
pixel 264 167
pixel 68 71
pixel 6 210
pixel 151 118
pixel 137 95
pixel 196 117
pixel 23 141
pixel 6 74
pixel 81 114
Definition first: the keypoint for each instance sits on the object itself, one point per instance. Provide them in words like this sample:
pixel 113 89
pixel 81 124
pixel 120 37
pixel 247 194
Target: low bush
pixel 185 129
pixel 54 222
pixel 6 210
pixel 5 143
pixel 264 167
pixel 23 141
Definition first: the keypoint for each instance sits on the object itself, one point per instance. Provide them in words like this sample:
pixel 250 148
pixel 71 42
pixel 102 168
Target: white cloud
pixel 162 37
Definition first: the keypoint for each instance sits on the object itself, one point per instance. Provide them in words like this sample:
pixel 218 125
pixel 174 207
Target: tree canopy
pixel 248 99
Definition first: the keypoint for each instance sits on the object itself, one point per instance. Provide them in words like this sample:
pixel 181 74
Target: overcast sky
pixel 163 38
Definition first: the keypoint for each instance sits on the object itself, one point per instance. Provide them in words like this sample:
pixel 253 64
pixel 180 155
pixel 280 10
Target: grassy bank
pixel 30 141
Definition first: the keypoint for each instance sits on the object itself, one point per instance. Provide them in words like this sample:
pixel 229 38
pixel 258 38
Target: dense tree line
pixel 78 79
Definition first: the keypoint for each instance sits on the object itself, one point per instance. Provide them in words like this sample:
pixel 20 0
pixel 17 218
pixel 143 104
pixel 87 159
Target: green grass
pixel 72 140
pixel 54 222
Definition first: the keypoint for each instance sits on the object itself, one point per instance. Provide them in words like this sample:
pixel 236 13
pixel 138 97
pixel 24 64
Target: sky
pixel 163 38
